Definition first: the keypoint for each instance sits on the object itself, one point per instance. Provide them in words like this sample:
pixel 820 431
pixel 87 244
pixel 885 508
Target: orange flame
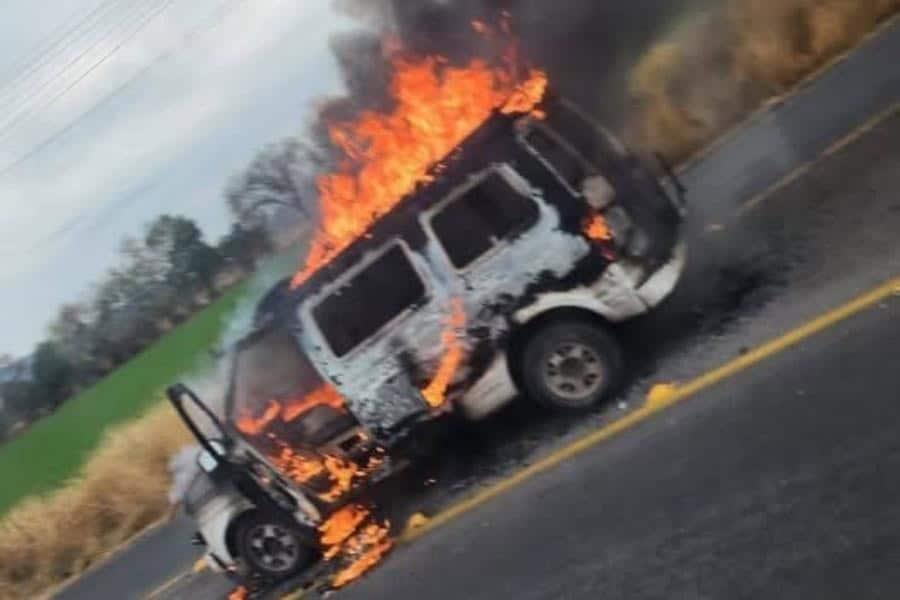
pixel 304 468
pixel 254 426
pixel 341 526
pixel 341 473
pixel 239 593
pixel 290 410
pixel 527 95
pixel 436 391
pixel 436 106
pixel 298 467
pixel 324 395
pixel 366 548
pixel 597 229
pixel 351 535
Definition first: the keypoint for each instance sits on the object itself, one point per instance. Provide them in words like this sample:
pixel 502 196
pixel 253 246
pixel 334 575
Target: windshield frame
pixel 248 341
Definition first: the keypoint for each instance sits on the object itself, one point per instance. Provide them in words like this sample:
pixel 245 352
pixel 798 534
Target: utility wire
pixel 28 111
pixel 215 19
pixel 46 53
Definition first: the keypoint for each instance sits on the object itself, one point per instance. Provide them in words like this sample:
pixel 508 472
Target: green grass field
pixel 53 450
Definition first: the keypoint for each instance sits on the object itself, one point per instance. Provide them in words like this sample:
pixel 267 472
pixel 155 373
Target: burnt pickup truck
pixel 505 276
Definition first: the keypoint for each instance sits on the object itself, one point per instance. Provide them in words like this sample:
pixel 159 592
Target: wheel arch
pixel 232 529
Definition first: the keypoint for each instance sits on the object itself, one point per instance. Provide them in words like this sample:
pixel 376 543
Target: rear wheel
pixel 571 365
pixel 271 545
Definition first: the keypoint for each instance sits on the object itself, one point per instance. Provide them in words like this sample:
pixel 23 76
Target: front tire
pixel 271 545
pixel 571 364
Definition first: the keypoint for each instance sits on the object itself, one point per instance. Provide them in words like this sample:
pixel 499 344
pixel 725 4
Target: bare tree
pixel 282 174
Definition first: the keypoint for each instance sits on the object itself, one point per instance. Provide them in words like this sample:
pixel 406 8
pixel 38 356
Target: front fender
pixel 214 520
pixel 623 291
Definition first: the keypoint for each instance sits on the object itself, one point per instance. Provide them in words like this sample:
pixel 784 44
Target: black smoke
pixel 587 46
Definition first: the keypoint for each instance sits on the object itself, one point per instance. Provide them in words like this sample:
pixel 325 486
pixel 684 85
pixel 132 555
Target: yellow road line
pixel 831 150
pixel 165 587
pixel 863 129
pixel 658 402
pixel 199 566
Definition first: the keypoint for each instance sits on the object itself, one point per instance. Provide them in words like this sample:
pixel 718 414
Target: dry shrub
pixel 666 123
pixel 121 491
pixel 718 67
pixel 685 90
pixel 770 41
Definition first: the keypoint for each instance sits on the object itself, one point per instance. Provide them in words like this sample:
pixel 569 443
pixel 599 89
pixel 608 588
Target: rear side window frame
pixel 529 125
pixel 516 182
pixel 308 308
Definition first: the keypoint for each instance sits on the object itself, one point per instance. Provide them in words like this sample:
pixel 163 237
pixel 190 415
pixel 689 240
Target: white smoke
pixel 273 270
pixel 211 384
pixel 183 467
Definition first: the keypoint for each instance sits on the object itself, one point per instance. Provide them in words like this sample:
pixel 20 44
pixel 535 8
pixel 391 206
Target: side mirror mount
pixel 209 461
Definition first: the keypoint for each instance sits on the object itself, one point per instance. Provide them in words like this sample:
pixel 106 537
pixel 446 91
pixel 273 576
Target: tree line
pixel 162 278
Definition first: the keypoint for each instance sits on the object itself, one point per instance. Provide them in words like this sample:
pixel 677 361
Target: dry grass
pixel 718 67
pixel 122 490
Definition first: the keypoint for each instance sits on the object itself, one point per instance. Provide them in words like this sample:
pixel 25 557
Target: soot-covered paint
pixel 380 377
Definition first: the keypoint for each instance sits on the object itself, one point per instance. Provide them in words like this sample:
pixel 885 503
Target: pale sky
pixel 166 143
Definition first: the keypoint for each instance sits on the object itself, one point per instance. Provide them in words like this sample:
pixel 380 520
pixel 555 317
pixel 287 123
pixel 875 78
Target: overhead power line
pixel 215 19
pixel 29 110
pixel 48 49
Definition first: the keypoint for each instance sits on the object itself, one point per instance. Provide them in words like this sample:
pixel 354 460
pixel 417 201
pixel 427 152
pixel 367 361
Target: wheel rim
pixel 574 371
pixel 274 547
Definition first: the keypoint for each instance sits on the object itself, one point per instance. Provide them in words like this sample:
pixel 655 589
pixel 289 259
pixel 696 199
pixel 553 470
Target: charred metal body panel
pixel 372 319
pixel 500 236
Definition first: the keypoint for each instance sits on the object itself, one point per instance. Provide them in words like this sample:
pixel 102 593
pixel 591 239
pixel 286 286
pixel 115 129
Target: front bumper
pixel 662 282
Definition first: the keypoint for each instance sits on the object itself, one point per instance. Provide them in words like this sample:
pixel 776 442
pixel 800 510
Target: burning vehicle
pixel 501 272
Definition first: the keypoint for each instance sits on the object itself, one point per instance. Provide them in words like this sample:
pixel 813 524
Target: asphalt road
pixel 814 244
pixel 141 567
pixel 779 483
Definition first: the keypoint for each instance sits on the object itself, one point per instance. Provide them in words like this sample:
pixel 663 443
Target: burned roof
pixel 493 142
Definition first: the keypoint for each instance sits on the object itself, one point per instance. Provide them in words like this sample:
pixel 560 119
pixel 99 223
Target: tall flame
pixel 436 106
pixel 436 391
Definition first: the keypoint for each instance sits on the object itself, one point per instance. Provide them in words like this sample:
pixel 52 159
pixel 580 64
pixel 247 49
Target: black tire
pixel 271 545
pixel 570 365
